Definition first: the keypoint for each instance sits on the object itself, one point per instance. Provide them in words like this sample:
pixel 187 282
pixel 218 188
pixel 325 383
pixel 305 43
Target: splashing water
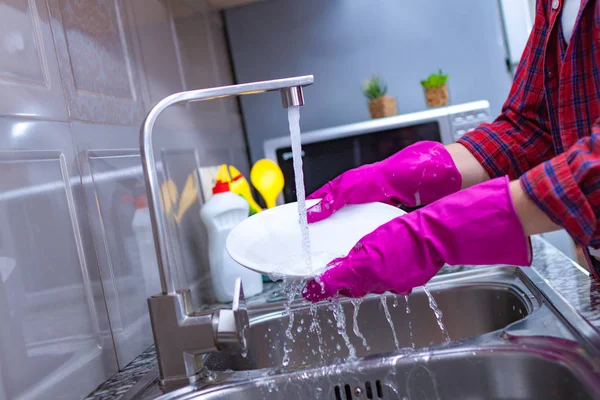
pixel 291 289
pixel 395 303
pixel 389 319
pixel 407 306
pixel 316 328
pixel 356 303
pixel 340 319
pixel 294 124
pixel 438 314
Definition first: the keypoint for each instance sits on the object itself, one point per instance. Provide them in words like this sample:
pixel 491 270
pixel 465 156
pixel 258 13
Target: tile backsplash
pixel 77 78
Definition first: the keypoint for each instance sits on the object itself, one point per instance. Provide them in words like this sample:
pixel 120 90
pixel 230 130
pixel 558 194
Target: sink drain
pixel 371 391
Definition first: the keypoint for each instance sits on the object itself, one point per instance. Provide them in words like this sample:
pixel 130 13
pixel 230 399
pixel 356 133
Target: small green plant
pixel 374 88
pixel 435 80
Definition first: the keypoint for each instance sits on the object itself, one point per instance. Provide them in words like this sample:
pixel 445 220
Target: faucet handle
pixel 233 324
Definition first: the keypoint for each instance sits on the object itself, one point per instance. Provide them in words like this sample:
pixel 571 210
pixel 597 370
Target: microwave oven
pixel 326 153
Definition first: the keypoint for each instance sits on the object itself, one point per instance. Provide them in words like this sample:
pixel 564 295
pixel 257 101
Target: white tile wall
pixel 70 266
pixel 55 335
pixel 29 76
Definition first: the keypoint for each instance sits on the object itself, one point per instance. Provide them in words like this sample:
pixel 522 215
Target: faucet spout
pixel 292 96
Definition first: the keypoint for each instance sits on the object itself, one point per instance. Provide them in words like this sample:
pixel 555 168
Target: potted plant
pixel 436 89
pixel 380 105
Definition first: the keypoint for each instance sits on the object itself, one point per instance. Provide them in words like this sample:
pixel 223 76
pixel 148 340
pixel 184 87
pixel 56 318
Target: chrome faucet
pixel 182 335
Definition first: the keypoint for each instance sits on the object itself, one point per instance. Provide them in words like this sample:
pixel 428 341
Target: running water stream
pixel 438 313
pixel 356 303
pixel 292 290
pixel 389 319
pixel 340 320
pixel 294 123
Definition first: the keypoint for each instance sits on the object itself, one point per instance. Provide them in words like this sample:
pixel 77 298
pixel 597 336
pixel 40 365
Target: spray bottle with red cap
pixel 220 214
pixel 142 227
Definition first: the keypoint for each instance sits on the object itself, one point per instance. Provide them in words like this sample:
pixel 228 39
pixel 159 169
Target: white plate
pixel 270 243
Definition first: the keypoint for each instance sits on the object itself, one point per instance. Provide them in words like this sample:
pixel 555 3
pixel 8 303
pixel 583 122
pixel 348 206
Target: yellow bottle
pixel 238 185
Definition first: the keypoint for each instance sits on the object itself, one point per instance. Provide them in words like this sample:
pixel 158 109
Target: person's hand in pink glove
pixel 419 174
pixel 476 226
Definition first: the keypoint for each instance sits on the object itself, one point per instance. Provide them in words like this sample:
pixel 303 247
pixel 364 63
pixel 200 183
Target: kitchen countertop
pixel 565 276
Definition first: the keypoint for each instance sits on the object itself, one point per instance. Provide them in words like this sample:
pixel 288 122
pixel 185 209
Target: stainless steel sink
pixel 536 372
pixel 470 307
pixel 512 337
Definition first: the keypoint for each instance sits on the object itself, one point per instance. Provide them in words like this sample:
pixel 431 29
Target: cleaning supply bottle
pixel 142 227
pixel 238 185
pixel 220 214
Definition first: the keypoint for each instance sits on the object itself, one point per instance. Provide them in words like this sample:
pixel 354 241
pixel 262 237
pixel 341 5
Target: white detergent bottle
pixel 142 227
pixel 220 214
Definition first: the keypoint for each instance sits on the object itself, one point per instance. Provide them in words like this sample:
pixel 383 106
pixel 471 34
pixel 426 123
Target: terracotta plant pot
pixel 437 97
pixel 383 107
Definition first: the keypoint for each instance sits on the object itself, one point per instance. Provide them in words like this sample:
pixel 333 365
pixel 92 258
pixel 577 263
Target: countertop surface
pixel 566 277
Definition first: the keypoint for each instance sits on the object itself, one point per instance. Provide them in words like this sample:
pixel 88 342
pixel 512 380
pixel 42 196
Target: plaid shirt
pixel 548 134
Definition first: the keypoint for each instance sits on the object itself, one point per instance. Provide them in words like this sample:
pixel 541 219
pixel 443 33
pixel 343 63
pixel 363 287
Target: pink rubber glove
pixel 476 226
pixel 419 174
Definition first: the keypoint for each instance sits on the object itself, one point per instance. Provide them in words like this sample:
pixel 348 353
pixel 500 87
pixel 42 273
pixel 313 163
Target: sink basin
pixel 535 372
pixel 512 337
pixel 470 307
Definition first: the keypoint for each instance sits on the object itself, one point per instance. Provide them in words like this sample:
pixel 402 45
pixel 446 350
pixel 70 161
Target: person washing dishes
pixel 535 169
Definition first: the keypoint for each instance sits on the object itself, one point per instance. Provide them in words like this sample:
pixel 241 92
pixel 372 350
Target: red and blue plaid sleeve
pixel 567 189
pixel 519 139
